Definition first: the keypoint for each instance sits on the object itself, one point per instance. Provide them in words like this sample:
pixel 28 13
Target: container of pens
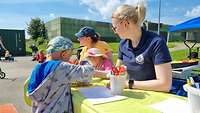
pixel 193 92
pixel 117 80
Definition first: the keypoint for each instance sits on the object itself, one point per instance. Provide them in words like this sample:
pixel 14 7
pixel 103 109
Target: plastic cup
pixel 117 84
pixel 193 98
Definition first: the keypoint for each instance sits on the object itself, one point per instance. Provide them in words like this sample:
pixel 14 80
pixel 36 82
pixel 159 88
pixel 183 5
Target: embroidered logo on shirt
pixel 140 59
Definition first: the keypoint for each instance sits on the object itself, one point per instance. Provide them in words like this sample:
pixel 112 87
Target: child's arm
pixel 74 60
pixel 77 72
pixel 101 74
pixel 65 73
pixel 107 67
pixel 68 73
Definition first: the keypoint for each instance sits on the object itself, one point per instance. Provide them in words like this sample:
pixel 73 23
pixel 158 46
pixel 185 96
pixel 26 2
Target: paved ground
pixel 181 45
pixel 11 90
pixel 178 46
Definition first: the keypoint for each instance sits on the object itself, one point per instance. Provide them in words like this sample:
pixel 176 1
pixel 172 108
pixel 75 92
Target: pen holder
pixel 117 84
pixel 193 98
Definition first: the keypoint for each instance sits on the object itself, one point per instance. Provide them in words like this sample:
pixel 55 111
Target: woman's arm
pixel 162 82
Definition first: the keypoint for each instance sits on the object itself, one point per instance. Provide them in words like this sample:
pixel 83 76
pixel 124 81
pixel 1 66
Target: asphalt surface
pixel 11 88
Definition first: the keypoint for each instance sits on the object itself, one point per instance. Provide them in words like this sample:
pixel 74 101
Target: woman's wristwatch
pixel 130 84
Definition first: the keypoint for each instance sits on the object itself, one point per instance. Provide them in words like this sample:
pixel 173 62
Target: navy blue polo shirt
pixel 140 61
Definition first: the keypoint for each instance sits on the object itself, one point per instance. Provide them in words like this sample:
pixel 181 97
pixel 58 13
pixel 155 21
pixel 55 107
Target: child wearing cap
pixel 99 61
pixel 49 84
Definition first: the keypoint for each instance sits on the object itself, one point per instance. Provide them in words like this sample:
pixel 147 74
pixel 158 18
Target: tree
pixel 36 28
pixel 43 31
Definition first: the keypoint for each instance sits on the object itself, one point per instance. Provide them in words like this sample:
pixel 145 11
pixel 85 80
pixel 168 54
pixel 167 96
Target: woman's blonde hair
pixel 134 13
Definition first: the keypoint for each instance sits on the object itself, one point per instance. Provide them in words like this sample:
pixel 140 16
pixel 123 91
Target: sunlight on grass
pixel 176 55
pixel 171 44
pixel 179 54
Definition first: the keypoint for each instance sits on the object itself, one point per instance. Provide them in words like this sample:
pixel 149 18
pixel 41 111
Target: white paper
pixel 99 95
pixel 172 105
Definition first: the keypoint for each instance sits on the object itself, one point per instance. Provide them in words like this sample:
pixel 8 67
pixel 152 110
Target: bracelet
pixel 130 84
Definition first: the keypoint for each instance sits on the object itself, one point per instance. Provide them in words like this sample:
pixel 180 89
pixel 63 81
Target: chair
pixel 26 98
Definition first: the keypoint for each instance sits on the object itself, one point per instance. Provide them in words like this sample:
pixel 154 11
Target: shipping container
pixel 14 41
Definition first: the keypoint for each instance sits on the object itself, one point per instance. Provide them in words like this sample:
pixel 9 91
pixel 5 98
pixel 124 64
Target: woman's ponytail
pixel 134 13
pixel 141 11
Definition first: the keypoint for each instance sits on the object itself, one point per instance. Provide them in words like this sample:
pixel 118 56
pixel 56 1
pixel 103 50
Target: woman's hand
pixel 119 62
pixel 126 84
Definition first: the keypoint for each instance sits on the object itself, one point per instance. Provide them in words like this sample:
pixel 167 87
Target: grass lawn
pixel 176 55
pixel 171 44
pixel 179 54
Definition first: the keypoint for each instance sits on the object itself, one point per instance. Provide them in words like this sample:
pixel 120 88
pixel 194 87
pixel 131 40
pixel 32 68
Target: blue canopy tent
pixel 192 25
pixel 187 26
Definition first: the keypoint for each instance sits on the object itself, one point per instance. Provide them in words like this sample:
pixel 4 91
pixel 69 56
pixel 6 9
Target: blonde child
pixel 100 62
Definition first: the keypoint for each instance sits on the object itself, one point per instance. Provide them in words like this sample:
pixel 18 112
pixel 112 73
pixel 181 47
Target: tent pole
pixel 187 36
pixel 168 34
pixel 159 7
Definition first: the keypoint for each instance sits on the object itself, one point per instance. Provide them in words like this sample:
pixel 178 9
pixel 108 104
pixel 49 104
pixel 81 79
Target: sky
pixel 16 14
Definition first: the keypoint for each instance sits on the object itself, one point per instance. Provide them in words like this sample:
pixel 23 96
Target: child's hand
pixel 98 67
pixel 73 60
pixel 100 74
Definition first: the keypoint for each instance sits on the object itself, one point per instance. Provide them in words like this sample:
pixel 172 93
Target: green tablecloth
pixel 138 101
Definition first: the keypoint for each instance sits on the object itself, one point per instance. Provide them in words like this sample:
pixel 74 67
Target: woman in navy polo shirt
pixel 144 53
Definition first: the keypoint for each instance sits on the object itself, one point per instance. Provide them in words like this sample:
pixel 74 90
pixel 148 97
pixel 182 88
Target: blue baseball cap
pixel 59 44
pixel 86 31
